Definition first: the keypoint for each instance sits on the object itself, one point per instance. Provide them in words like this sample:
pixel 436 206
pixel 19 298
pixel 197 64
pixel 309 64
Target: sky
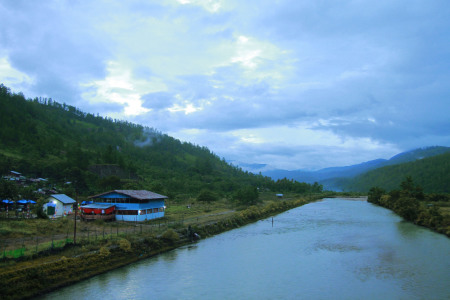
pixel 301 84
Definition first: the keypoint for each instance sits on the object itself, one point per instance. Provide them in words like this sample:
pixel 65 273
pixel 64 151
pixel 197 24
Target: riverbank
pixel 25 279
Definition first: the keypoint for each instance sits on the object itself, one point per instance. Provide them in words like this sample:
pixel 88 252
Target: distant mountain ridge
pixel 333 178
pixel 431 173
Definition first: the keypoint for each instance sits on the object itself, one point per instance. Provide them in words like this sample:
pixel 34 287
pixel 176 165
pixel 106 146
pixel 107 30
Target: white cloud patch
pixel 120 86
pixel 11 77
pixel 211 6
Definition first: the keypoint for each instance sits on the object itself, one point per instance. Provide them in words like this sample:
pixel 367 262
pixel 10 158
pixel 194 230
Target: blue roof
pixel 63 198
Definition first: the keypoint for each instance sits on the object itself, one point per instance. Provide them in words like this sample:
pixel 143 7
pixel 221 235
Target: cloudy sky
pixel 300 84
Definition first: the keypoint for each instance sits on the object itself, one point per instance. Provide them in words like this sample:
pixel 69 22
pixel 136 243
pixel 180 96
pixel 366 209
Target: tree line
pixel 411 203
pixel 432 173
pixel 41 137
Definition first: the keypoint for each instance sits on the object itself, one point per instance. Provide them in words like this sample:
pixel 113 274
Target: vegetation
pixel 28 278
pixel 413 205
pixel 432 174
pixel 43 138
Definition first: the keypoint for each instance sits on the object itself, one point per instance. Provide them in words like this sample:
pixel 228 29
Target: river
pixel 330 249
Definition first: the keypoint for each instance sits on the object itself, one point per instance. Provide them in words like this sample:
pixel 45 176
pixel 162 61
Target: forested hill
pixel 43 138
pixel 432 174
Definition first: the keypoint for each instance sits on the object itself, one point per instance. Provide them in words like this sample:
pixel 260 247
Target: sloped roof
pixel 63 198
pixel 136 194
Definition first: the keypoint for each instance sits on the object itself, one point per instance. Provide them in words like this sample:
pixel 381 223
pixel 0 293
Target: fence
pixel 94 232
pixel 86 233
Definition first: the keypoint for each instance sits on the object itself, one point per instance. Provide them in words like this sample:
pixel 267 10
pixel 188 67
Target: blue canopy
pixel 22 201
pixel 31 201
pixel 51 204
pixel 6 201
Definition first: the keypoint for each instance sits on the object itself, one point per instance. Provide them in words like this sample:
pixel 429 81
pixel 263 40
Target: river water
pixel 331 249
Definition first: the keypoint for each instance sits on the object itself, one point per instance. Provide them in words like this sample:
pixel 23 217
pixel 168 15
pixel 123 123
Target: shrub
pixel 105 251
pixel 125 245
pixel 170 236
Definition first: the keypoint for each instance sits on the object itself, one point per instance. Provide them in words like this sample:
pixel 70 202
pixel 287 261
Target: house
pixel 15 174
pixel 133 205
pixel 62 203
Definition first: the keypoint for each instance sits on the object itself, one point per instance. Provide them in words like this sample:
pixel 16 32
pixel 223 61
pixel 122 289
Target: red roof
pixel 136 194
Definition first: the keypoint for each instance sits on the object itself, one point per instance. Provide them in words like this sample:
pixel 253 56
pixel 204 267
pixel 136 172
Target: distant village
pixel 115 205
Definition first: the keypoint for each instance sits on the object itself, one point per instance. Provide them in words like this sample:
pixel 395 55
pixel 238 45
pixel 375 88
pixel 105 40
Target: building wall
pixel 61 209
pixel 134 212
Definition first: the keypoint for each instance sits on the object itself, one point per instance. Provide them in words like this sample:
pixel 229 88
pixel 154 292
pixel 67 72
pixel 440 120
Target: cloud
pixel 279 82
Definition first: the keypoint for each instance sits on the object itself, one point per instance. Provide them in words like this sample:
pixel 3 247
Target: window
pixel 127 212
pixel 155 210
pixel 161 209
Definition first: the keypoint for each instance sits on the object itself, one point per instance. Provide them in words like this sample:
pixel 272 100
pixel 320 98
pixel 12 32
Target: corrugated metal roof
pixel 63 198
pixel 137 194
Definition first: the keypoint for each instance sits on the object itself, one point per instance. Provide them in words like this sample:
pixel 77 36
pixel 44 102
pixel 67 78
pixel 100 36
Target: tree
pixel 407 208
pixel 110 183
pixel 409 189
pixel 375 194
pixel 207 196
pixel 247 195
pixel 8 190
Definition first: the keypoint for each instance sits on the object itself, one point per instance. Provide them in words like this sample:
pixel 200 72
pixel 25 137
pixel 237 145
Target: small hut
pixel 63 205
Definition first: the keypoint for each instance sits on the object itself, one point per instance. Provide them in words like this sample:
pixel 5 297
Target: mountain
pixel 336 178
pixel 43 138
pixel 431 173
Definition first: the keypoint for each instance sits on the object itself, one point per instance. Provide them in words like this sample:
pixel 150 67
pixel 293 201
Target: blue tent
pixel 7 201
pixel 23 201
pixel 31 201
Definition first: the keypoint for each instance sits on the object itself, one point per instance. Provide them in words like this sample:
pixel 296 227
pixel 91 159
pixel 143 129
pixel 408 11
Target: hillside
pixel 337 178
pixel 43 138
pixel 432 174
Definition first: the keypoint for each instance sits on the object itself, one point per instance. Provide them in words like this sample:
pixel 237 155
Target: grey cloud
pixel 376 70
pixel 46 46
pixel 158 100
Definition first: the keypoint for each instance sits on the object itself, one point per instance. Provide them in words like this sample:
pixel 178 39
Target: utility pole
pixel 75 219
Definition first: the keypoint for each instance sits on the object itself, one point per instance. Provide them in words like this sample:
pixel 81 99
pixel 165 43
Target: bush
pixel 247 196
pixel 105 251
pixel 170 236
pixel 125 245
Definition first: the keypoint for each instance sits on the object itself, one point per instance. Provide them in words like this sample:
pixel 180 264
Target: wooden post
pixel 75 220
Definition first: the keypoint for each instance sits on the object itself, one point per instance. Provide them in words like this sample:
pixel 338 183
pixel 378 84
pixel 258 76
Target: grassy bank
pixel 43 272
